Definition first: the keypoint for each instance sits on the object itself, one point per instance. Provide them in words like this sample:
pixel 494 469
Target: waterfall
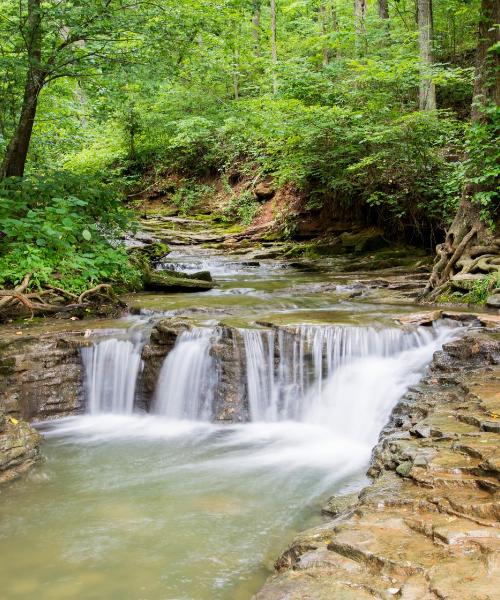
pixel 187 378
pixel 292 374
pixel 111 369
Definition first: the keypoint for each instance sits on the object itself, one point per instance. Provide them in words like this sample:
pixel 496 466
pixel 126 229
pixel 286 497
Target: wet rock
pixel 162 340
pixel 41 376
pixel 176 281
pixel 19 447
pixel 152 253
pixel 230 398
pixel 423 528
pixel 493 301
pixel 339 504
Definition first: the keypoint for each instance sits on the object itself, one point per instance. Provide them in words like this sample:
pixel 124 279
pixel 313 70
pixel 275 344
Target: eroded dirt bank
pixel 427 528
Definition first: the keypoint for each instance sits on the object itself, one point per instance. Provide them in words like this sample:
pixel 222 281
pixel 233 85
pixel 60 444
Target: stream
pixel 168 505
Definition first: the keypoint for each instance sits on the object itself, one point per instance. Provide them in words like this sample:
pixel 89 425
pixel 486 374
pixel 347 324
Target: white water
pixel 111 370
pixel 187 378
pixel 293 374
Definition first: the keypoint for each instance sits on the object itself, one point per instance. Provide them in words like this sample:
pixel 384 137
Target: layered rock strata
pixel 41 376
pixel 427 528
pixel 19 447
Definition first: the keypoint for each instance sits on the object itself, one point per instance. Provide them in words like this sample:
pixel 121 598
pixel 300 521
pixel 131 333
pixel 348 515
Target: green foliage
pixel 482 166
pixel 189 195
pixel 479 292
pixel 64 231
pixel 242 208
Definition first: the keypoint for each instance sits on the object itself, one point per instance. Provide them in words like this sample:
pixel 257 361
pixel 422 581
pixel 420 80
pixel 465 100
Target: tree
pixel 274 47
pixel 383 9
pixel 427 92
pixel 256 25
pixel 471 244
pixel 359 18
pixel 58 40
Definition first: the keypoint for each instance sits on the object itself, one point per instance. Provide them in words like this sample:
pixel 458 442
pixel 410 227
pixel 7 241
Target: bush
pixel 64 231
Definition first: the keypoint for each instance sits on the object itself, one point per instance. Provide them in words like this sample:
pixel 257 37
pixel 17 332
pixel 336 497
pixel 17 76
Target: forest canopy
pixel 359 105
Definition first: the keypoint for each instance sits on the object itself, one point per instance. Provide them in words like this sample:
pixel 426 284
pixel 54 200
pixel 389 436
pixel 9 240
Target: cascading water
pixel 111 370
pixel 292 374
pixel 187 378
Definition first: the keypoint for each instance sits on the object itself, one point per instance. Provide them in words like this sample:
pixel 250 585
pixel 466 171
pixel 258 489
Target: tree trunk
pixel 427 93
pixel 274 47
pixel 471 247
pixel 256 27
pixel 383 9
pixel 323 16
pixel 17 151
pixel 359 19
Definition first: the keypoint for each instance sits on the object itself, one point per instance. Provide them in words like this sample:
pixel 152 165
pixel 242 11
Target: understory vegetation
pixel 363 112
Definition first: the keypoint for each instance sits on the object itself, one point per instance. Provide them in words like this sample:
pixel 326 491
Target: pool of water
pixel 138 507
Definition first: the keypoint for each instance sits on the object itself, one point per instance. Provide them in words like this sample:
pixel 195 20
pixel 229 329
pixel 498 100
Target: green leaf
pixel 86 235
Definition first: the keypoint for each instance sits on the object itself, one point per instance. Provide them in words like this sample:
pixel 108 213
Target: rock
pixel 464 282
pixel 175 281
pixel 339 504
pixel 152 252
pixel 41 375
pixel 19 448
pixel 424 318
pixel 264 190
pixel 363 241
pixel 423 528
pixel 493 301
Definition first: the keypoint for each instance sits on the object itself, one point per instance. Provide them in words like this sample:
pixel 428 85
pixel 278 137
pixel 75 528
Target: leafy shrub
pixel 242 208
pixel 64 231
pixel 189 195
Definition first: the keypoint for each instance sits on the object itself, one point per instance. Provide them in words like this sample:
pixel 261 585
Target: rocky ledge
pixel 427 528
pixel 19 447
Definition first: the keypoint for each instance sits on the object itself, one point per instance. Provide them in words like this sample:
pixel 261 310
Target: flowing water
pixel 169 505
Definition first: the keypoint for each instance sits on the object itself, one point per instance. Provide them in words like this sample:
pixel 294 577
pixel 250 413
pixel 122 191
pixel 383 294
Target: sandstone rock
pixel 424 527
pixel 41 375
pixel 464 282
pixel 19 448
pixel 339 504
pixel 264 190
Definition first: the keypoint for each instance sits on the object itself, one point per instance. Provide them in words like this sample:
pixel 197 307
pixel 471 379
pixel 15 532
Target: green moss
pixel 173 281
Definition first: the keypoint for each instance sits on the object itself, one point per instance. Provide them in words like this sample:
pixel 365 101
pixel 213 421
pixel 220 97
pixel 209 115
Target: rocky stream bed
pixel 273 340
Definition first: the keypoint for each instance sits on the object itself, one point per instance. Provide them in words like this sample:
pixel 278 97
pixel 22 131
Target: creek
pixel 167 504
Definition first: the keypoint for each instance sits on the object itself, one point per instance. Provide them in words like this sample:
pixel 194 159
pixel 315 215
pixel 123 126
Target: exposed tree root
pixel 15 300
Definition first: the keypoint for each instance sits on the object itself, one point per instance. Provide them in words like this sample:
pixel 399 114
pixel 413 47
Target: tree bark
pixel 256 27
pixel 359 19
pixel 274 47
pixel 427 92
pixel 383 9
pixel 323 16
pixel 17 151
pixel 471 245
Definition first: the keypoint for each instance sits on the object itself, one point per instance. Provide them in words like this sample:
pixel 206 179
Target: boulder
pixel 176 281
pixel 264 190
pixel 493 301
pixel 149 254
